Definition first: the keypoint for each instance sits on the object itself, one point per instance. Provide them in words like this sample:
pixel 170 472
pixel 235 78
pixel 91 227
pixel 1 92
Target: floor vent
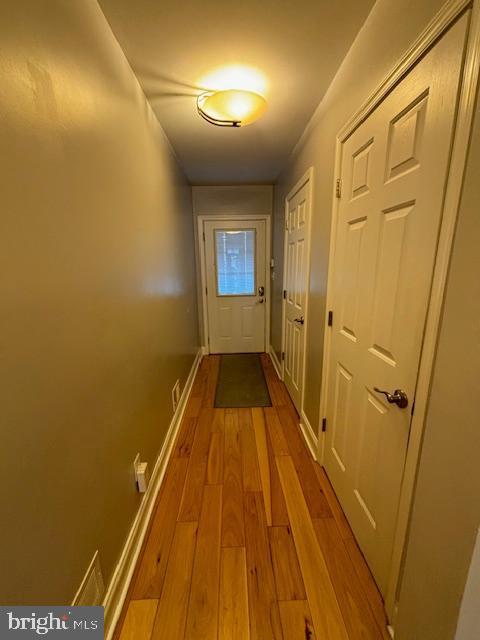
pixel 92 589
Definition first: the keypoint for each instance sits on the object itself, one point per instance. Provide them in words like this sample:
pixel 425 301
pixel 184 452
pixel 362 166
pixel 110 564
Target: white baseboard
pixel 120 581
pixel 309 434
pixel 276 363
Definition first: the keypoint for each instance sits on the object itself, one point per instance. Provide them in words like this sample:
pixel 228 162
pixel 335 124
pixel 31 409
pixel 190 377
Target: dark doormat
pixel 241 382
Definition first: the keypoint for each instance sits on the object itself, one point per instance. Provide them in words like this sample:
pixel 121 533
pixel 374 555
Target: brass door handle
pixel 300 320
pixel 398 397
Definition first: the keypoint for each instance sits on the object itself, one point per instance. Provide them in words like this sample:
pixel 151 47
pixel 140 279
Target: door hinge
pixel 203 236
pixel 206 291
pixel 286 224
pixel 324 424
pixel 330 318
pixel 284 294
pixel 338 188
pixel 283 355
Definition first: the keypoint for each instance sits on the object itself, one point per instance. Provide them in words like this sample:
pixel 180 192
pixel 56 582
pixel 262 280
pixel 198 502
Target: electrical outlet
pixel 176 395
pixel 143 477
pixel 136 462
pixel 141 474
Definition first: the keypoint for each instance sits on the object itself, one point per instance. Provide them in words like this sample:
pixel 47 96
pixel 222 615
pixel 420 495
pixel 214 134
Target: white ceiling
pixel 173 44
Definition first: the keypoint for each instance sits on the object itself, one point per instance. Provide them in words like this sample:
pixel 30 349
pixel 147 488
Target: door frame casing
pixel 307 178
pixel 450 11
pixel 203 268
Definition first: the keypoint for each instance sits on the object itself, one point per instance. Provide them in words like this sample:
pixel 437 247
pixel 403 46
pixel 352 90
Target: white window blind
pixel 235 262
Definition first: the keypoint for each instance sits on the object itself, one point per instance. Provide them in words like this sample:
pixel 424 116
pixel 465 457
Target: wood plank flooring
pixel 248 540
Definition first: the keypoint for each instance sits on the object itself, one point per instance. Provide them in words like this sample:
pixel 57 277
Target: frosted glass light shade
pixel 232 107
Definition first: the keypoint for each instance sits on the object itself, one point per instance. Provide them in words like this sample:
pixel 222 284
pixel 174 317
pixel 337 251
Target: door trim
pixel 450 11
pixel 203 268
pixel 307 178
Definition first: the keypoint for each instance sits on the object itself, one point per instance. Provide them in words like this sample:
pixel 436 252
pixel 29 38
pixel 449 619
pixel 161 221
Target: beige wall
pixel 446 511
pixel 236 200
pixel 98 303
pixel 468 627
pixel 388 31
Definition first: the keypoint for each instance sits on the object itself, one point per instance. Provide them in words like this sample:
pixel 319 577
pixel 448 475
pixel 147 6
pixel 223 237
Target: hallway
pixel 248 539
pixel 287 184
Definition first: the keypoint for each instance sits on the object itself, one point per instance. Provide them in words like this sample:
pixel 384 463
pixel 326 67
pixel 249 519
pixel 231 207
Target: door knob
pixel 260 301
pixel 261 291
pixel 300 320
pixel 398 397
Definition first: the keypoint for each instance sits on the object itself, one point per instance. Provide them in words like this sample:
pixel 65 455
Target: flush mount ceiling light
pixel 231 107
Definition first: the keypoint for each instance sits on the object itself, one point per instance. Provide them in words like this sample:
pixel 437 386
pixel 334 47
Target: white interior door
pixel 394 169
pixel 296 284
pixel 235 270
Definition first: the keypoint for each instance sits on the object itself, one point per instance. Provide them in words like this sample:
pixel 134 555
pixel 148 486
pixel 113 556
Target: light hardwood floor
pixel 248 539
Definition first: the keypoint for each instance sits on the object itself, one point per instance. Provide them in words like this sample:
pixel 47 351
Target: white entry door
pixel 394 170
pixel 235 269
pixel 296 284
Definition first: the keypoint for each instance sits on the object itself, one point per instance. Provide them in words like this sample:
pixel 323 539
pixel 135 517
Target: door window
pixel 235 262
